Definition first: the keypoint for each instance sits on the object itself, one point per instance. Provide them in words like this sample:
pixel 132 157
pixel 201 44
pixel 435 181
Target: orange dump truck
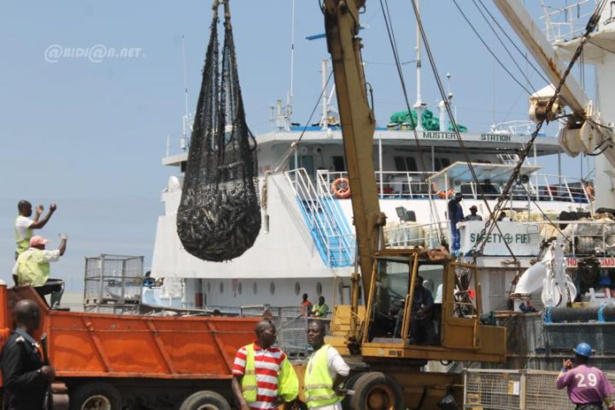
pixel 106 361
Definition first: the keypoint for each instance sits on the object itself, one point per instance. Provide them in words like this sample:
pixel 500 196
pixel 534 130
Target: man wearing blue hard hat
pixel 588 387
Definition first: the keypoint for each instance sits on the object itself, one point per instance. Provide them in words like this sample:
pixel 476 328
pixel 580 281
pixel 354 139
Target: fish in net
pixel 219 215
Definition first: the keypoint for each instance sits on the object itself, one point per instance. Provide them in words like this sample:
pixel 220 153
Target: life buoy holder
pixel 444 195
pixel 341 188
pixel 591 193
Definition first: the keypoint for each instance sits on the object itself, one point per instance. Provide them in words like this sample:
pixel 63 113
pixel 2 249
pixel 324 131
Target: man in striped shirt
pixel 263 377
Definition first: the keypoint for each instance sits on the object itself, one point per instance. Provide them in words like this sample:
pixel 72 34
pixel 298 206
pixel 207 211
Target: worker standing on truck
pixel 24 225
pixel 26 378
pixel 32 268
pixel 325 373
pixel 587 386
pixel 263 377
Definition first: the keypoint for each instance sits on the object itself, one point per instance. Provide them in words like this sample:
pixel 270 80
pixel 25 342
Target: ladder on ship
pixel 325 219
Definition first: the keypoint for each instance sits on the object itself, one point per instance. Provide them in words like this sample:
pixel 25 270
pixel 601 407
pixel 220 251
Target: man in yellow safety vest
pixel 24 225
pixel 263 378
pixel 32 268
pixel 325 373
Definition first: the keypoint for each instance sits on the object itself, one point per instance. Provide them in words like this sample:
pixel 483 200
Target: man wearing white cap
pixel 32 268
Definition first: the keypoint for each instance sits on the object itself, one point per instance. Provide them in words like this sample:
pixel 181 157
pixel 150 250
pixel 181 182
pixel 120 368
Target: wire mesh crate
pixel 488 389
pixel 113 283
pixel 495 390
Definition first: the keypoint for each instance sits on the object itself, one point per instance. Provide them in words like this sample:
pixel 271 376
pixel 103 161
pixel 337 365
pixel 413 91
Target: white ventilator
pixel 550 274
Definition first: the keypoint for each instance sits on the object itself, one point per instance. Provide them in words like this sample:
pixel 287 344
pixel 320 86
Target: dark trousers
pixel 590 406
pixel 53 287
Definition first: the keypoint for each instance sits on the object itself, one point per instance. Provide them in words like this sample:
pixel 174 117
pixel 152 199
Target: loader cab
pixel 427 308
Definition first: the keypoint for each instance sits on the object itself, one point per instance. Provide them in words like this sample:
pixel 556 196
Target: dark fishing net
pixel 219 216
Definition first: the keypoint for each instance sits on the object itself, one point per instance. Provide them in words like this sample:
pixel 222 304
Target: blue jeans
pixel 455 236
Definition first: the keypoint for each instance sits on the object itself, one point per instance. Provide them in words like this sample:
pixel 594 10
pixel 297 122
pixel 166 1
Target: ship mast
pixel 419 106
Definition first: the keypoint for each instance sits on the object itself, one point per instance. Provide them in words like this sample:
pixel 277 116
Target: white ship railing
pixel 583 237
pixel 412 185
pixel 567 22
pixel 515 127
pixel 325 220
pixel 390 183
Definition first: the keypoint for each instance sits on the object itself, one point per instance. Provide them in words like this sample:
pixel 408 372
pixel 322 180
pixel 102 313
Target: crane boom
pixel 358 125
pixel 583 133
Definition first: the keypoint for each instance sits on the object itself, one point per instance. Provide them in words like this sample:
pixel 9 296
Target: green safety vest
pixel 318 383
pixel 22 244
pixel 288 383
pixel 32 269
pixel 248 381
pixel 320 310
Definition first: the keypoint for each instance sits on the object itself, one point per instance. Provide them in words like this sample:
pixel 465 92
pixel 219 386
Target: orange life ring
pixel 341 188
pixel 446 194
pixel 591 193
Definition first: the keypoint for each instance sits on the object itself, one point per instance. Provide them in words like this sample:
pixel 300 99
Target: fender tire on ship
pixel 205 399
pixel 376 391
pixel 101 396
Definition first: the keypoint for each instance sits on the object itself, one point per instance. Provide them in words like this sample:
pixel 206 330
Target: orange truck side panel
pixel 105 345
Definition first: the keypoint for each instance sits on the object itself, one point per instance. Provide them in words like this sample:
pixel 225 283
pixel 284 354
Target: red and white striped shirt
pixel 267 364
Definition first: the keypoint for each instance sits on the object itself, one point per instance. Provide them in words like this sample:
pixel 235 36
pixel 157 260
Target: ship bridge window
pixel 338 164
pixel 441 163
pixel 305 161
pixel 407 164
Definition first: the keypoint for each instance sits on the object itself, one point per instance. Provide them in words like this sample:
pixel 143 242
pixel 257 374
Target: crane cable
pixel 486 231
pixel 393 42
pixel 453 122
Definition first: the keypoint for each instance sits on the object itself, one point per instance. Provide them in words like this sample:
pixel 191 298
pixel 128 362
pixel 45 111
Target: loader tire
pixel 99 396
pixel 376 391
pixel 349 384
pixel 205 400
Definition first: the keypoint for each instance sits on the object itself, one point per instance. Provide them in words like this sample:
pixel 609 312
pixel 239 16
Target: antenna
pixel 289 99
pixel 419 106
pixel 186 116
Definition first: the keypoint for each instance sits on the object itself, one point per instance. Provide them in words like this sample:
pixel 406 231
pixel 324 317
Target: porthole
pixel 255 288
pixel 272 288
pixel 297 288
pixel 319 289
pixel 221 287
pixel 239 288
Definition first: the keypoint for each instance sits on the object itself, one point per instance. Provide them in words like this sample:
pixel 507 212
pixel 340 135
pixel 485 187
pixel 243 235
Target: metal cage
pixel 113 283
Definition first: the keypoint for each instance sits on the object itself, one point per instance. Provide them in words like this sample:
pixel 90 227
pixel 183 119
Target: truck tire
pixel 205 400
pixel 376 391
pixel 349 385
pixel 98 396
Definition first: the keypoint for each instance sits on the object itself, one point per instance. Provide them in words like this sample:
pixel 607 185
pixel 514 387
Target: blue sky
pixel 90 136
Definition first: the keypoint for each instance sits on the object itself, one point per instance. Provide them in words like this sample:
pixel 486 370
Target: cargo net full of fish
pixel 219 215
